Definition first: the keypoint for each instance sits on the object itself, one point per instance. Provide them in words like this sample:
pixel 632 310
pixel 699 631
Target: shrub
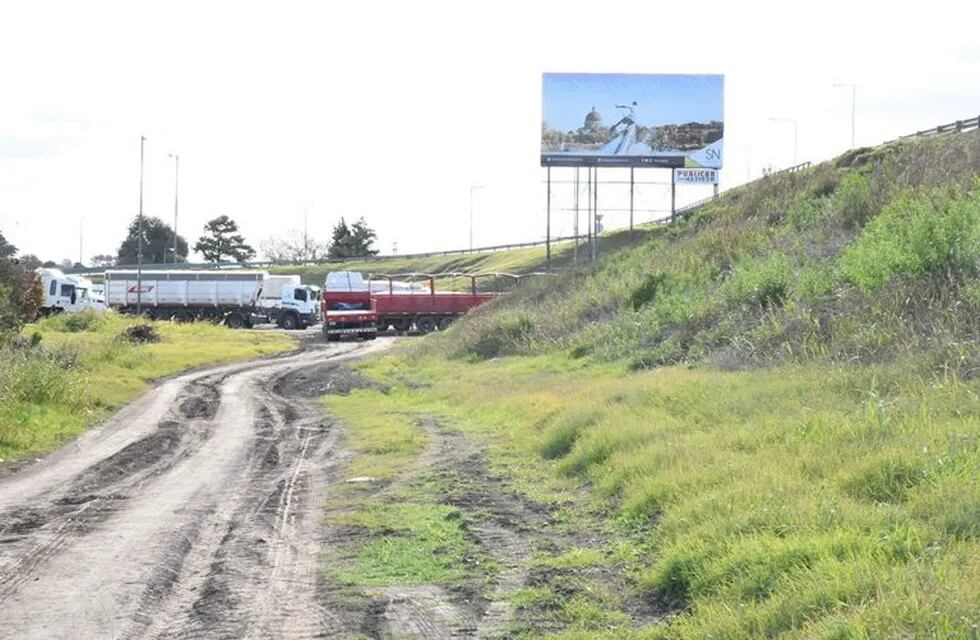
pixel 762 281
pixel 141 334
pixel 853 199
pixel 647 290
pixel 37 376
pixel 504 333
pixel 916 236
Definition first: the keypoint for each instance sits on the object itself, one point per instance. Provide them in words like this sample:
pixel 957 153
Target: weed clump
pixel 141 334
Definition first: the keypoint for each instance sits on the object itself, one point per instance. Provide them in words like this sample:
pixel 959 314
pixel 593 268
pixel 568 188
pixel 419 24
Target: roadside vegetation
pixel 68 372
pixel 767 415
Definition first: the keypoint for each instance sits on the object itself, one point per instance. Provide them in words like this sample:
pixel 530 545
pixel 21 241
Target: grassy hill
pixel 769 414
pixel 515 261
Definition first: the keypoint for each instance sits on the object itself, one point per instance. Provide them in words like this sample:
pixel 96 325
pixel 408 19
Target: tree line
pixel 222 242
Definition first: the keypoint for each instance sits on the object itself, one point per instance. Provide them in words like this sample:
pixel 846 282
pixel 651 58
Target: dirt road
pixel 192 513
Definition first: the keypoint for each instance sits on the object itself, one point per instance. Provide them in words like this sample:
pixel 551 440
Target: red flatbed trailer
pixel 426 310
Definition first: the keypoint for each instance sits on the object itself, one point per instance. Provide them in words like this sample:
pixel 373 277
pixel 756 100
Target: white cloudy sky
pixel 393 110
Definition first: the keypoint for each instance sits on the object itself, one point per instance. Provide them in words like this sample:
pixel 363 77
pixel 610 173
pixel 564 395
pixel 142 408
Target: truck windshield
pixel 67 290
pixel 300 295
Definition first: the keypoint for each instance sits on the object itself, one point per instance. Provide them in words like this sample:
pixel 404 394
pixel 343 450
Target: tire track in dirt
pixel 498 520
pixel 202 524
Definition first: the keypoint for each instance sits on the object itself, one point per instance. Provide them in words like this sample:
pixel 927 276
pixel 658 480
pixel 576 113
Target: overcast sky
pixel 394 110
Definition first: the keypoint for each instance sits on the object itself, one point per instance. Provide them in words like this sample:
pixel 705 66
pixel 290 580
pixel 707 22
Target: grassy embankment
pixel 514 261
pixel 83 369
pixel 772 409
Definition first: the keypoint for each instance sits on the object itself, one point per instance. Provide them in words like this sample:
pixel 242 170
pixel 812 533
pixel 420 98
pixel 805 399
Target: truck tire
pixel 425 324
pixel 445 321
pixel 289 322
pixel 235 321
pixel 182 317
pixel 400 325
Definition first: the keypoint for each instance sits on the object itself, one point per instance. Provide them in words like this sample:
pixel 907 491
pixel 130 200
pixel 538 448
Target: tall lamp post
pixel 176 158
pixel 472 192
pixel 853 103
pixel 795 131
pixel 139 239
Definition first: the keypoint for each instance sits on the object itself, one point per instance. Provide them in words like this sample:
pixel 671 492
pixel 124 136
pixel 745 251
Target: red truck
pixel 354 306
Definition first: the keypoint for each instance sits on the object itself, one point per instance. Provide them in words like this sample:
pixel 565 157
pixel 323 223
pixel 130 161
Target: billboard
pixel 632 120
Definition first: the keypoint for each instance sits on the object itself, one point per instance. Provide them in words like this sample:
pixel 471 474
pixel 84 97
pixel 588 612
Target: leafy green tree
pixel 352 241
pixel 221 240
pixel 20 288
pixel 158 243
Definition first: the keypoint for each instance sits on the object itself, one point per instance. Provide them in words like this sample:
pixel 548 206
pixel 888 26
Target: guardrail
pixel 952 127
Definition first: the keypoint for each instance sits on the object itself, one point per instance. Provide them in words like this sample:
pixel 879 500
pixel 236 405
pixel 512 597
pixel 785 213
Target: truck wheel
pixel 425 324
pixel 444 322
pixel 400 325
pixel 289 322
pixel 235 321
pixel 333 338
pixel 183 316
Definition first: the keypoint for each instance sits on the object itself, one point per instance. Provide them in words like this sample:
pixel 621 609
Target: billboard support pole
pixel 673 195
pixel 575 225
pixel 595 214
pixel 631 198
pixel 547 233
pixel 588 215
pixel 715 194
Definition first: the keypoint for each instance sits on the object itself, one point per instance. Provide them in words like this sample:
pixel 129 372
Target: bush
pixel 502 334
pixel 916 236
pixel 141 334
pixel 853 200
pixel 647 290
pixel 37 376
pixel 761 281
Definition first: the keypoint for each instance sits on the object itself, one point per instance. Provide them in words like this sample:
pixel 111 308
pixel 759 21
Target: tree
pixel 105 260
pixel 220 239
pixel 20 288
pixel 158 243
pixel 295 247
pixel 352 241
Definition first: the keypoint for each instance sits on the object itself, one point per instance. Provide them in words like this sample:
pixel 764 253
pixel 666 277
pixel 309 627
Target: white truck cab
pixel 64 293
pixel 289 303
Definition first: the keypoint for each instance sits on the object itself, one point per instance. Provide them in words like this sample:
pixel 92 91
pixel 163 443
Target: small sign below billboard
pixel 632 120
pixel 696 176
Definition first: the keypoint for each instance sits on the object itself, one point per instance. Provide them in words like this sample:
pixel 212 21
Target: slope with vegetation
pixel 768 413
pixel 514 261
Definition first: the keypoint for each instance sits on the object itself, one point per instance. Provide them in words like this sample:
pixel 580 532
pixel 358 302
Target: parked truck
pixel 236 298
pixel 354 306
pixel 66 293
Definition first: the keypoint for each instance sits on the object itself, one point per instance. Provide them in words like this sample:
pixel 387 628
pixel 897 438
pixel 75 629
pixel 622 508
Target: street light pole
pixel 473 189
pixel 176 158
pixel 795 131
pixel 853 106
pixel 139 239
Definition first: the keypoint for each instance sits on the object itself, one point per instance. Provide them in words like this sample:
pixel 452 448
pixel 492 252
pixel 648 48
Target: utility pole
pixel 139 241
pixel 80 252
pixel 176 158
pixel 853 103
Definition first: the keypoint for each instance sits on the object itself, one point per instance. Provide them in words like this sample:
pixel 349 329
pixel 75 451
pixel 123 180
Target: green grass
pixel 412 544
pixel 771 502
pixel 83 370
pixel 770 412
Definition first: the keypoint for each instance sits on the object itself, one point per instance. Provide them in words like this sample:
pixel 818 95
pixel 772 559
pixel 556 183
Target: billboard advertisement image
pixel 632 120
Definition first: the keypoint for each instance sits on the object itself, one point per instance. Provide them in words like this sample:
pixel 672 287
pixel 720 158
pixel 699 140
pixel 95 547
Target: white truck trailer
pixel 236 298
